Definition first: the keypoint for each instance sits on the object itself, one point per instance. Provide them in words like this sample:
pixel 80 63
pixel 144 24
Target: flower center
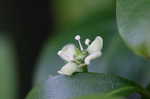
pixel 81 53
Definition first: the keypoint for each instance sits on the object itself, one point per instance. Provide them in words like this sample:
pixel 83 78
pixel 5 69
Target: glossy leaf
pixel 81 84
pixel 133 19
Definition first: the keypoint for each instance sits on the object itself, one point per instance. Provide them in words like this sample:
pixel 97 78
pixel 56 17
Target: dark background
pixel 29 23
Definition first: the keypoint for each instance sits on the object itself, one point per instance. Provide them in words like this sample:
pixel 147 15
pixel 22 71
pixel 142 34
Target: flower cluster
pixel 79 58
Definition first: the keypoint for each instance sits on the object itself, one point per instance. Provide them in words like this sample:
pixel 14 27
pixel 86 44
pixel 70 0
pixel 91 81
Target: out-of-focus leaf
pixel 8 79
pixel 121 61
pixel 81 84
pixel 133 22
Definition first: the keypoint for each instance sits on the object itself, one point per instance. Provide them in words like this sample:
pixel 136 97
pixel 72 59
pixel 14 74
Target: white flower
pixel 78 58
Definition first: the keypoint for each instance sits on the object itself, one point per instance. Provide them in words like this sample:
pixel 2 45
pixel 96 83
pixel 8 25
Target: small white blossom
pixel 77 58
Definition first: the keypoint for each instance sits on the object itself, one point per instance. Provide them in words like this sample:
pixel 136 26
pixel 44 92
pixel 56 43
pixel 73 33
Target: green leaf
pixel 81 84
pixel 133 19
pixel 8 76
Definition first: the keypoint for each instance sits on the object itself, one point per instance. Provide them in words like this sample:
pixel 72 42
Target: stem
pixel 85 68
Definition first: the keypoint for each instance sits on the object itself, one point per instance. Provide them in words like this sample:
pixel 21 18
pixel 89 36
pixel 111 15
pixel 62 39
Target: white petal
pixel 96 45
pixel 67 53
pixel 91 57
pixel 69 69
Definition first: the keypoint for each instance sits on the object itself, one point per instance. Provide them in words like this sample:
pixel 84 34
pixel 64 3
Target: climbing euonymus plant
pixel 79 59
pixel 75 81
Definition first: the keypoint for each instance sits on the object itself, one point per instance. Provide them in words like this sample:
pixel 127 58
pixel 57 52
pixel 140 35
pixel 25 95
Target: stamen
pixel 87 42
pixel 77 37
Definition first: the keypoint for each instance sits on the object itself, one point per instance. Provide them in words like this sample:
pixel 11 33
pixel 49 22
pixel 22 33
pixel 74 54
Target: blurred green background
pixel 32 32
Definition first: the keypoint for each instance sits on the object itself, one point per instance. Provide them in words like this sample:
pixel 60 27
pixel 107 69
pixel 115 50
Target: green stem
pixel 85 68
